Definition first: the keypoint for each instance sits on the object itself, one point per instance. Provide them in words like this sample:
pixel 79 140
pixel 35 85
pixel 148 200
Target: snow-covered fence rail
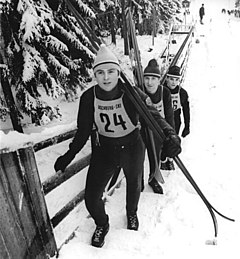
pixel 59 178
pixel 54 140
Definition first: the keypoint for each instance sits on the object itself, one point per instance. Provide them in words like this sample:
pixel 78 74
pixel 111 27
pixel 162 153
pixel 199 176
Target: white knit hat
pixel 105 57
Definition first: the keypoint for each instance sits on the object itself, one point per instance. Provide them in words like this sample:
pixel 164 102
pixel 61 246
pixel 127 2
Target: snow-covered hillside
pixel 176 224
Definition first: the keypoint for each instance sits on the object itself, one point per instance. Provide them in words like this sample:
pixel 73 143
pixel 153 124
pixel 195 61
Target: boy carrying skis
pixel 161 99
pixel 107 108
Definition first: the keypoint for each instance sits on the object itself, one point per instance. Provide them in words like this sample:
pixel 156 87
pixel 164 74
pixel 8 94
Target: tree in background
pixel 166 11
pixel 45 48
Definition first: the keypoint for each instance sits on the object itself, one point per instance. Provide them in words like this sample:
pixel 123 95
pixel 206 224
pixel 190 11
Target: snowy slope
pixel 177 224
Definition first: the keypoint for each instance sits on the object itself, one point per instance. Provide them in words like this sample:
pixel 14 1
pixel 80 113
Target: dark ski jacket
pixel 185 108
pixel 201 11
pixel 85 119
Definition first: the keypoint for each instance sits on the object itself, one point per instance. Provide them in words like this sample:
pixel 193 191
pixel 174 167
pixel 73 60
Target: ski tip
pixel 212 242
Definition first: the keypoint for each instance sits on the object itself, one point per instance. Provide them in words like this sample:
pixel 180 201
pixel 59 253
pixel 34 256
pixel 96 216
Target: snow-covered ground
pixel 176 224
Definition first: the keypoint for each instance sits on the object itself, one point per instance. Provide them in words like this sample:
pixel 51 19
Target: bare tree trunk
pixel 112 24
pixel 4 82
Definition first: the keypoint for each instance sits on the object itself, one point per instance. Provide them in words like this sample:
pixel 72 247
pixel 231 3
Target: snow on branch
pixel 77 29
pixel 76 43
pixel 69 62
pixel 30 63
pixel 85 9
pixel 35 20
pixel 62 70
pixel 56 90
pixel 54 44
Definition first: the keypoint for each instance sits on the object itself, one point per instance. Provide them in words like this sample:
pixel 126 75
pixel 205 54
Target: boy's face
pixel 107 78
pixel 173 82
pixel 151 83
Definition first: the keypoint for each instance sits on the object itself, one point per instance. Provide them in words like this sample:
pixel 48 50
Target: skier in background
pixel 161 99
pixel 116 141
pixel 201 13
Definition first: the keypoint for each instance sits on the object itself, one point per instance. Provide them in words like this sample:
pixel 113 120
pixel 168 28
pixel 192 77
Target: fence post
pixel 25 228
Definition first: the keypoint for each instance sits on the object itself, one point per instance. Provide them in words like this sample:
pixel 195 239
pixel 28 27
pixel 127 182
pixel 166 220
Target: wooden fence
pixel 26 230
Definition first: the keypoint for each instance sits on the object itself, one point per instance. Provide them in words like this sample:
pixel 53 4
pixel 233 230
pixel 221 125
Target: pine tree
pixel 45 48
pixel 166 12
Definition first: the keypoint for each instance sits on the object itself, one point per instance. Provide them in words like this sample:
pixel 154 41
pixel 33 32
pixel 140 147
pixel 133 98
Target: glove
pixel 185 132
pixel 62 162
pixel 172 145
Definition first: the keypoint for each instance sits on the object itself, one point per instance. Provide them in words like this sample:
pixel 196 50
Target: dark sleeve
pixel 168 109
pixel 185 107
pixel 84 122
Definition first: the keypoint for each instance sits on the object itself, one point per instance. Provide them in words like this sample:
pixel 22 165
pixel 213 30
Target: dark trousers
pixel 177 120
pixel 150 152
pixel 103 163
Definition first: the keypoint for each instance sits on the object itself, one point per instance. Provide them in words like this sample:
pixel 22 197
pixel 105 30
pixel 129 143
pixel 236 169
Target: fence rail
pixel 61 177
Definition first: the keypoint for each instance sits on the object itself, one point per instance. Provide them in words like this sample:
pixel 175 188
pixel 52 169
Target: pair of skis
pixel 147 116
pixel 140 82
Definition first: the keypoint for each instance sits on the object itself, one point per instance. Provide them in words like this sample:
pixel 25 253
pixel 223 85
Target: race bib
pixel 176 102
pixel 112 119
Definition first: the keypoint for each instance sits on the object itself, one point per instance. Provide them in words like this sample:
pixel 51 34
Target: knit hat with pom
pixel 152 69
pixel 105 59
pixel 174 71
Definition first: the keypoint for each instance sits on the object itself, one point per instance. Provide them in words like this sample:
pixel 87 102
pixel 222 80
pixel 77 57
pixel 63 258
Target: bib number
pixel 117 120
pixel 175 104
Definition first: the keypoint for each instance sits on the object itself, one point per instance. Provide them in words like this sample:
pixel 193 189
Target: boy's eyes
pixel 176 79
pixel 151 78
pixel 110 71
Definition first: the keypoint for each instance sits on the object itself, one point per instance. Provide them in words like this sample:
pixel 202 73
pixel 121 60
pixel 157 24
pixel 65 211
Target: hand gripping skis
pixel 148 118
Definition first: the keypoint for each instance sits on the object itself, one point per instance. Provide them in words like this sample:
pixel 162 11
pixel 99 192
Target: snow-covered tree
pixel 45 48
pixel 165 10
